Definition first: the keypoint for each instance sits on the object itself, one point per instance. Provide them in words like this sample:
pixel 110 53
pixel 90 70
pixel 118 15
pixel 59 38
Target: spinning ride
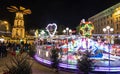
pixel 72 49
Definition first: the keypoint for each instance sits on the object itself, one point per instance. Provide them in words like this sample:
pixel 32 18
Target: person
pixel 54 59
pixel 1 50
pixel 4 49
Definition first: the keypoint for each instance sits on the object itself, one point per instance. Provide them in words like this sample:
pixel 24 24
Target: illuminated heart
pixel 51 29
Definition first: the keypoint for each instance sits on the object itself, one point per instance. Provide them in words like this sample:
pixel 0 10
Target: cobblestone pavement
pixel 37 68
pixel 40 69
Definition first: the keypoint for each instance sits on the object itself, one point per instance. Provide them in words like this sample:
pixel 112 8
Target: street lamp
pixel 67 31
pixel 70 31
pixel 108 29
pixel 64 31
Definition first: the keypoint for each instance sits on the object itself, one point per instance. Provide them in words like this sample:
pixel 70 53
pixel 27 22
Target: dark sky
pixel 61 12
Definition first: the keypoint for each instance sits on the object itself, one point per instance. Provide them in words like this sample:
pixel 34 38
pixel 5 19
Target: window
pixel 111 21
pixel 117 26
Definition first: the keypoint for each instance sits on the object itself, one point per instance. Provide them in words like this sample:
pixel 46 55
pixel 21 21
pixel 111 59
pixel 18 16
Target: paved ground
pixel 37 68
pixel 40 69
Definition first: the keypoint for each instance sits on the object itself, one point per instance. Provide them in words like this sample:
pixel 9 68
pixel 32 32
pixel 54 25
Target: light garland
pixel 50 27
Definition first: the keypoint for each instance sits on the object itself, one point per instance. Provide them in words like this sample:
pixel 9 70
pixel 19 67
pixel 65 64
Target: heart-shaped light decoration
pixel 51 29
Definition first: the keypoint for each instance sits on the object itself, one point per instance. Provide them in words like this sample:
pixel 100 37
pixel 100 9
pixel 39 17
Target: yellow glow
pixel 36 33
pixel 6 25
pixel 5 22
pixel 117 11
pixel 86 25
pixel 21 9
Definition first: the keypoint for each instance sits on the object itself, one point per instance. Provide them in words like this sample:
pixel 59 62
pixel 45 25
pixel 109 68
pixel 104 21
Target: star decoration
pixel 87 29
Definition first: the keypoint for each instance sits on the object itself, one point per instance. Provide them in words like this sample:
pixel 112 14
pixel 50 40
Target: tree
pixel 85 63
pixel 60 29
pixel 19 65
pixel 78 29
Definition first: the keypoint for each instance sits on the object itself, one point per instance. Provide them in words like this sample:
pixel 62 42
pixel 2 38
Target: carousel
pixel 105 56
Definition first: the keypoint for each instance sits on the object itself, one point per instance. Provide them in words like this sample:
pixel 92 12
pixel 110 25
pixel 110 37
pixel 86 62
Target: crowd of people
pixel 13 48
pixel 3 50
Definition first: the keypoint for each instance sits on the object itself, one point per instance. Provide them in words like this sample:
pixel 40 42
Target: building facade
pixel 109 17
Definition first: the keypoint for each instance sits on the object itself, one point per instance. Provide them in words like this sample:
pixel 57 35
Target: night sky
pixel 61 12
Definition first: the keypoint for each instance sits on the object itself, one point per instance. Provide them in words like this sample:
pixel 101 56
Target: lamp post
pixel 67 31
pixel 64 31
pixel 70 31
pixel 108 29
